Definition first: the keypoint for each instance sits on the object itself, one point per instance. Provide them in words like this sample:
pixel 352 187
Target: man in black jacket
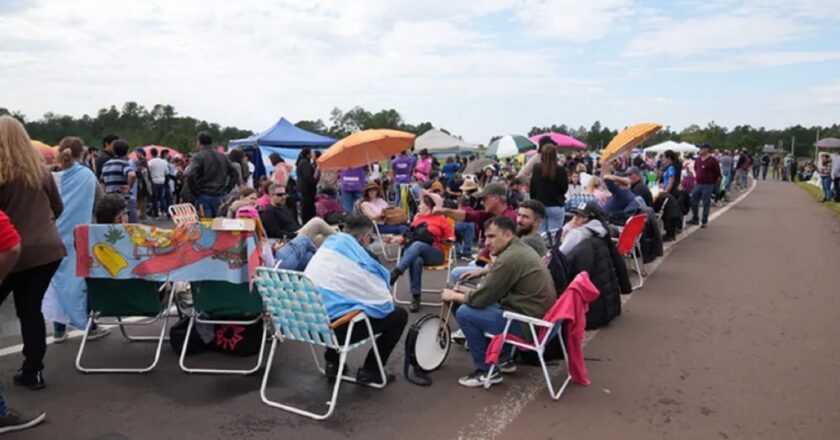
pixel 307 184
pixel 637 185
pixel 277 219
pixel 210 176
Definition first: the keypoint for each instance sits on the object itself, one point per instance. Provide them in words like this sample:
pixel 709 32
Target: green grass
pixel 817 193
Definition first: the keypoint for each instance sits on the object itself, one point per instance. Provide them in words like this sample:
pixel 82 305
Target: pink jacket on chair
pixel 571 308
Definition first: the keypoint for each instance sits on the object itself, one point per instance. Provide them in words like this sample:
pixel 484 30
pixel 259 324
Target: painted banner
pixel 187 253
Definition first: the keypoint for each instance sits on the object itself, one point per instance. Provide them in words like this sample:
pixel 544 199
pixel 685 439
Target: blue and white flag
pixel 349 279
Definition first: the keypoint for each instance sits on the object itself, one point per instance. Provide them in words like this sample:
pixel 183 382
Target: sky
pixel 477 68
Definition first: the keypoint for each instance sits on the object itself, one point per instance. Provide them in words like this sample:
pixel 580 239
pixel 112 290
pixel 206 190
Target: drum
pixel 427 346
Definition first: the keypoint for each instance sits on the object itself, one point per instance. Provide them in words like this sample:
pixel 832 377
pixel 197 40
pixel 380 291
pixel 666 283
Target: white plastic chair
pixel 183 214
pixel 297 313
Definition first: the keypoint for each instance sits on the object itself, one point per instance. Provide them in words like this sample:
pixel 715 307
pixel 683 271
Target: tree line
pixel 162 125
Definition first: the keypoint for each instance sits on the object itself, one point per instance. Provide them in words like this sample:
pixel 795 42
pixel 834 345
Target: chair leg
pixel 150 367
pixel 639 271
pixel 217 370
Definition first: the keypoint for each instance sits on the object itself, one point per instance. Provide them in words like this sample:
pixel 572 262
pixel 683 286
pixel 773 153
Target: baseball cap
pixel 588 210
pixel 704 145
pixel 493 189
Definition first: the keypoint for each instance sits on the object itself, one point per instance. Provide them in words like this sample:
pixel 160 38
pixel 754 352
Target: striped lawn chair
pixel 297 313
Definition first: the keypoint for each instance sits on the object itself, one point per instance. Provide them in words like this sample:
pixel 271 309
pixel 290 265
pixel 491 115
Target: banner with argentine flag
pixel 349 279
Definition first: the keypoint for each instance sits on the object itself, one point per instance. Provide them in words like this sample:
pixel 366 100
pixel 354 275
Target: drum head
pixel 432 345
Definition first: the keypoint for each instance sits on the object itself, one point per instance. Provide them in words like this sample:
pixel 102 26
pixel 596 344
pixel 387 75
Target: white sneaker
pixel 478 377
pixel 98 333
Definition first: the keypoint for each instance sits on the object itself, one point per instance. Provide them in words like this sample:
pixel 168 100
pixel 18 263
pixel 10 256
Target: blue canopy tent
pixel 283 138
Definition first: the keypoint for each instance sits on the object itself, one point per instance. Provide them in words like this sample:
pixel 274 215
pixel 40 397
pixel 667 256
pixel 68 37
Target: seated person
pixel 453 186
pixel 622 201
pixel 519 281
pixel 422 248
pixel 280 222
pixel 328 207
pixel 586 194
pixel 586 222
pixel 373 207
pixel 350 278
pixel 111 208
pixel 638 185
pixel 247 197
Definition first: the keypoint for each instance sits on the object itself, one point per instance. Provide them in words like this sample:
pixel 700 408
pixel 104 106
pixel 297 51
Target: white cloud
pixel 572 20
pixel 754 60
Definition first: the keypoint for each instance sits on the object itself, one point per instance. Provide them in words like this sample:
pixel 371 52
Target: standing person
pixel 352 184
pixel 66 300
pixel 726 165
pixel 10 419
pixel 105 155
pixel 825 177
pixel 29 197
pixel 549 184
pixel 835 175
pixel 423 167
pixel 765 164
pixel 169 182
pixel 118 177
pixel 707 173
pixel 673 173
pixel 282 169
pixel 158 169
pixel 210 176
pixel 142 191
pixel 307 185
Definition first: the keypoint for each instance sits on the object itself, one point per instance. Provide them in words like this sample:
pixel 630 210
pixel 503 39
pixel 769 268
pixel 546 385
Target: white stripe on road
pixel 490 422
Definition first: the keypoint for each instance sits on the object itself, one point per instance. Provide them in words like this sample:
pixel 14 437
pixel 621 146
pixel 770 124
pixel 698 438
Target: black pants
pixel 391 328
pixel 29 287
pixel 837 189
pixel 307 207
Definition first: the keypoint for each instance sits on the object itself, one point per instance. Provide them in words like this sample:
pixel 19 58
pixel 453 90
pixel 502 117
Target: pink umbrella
pixel 561 140
pixel 530 153
pixel 148 150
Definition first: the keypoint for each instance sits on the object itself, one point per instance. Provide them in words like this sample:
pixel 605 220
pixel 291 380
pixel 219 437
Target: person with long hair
pixel 549 184
pixel 66 301
pixel 29 196
pixel 673 173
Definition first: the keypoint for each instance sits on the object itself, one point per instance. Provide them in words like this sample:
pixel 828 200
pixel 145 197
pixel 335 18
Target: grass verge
pixel 817 193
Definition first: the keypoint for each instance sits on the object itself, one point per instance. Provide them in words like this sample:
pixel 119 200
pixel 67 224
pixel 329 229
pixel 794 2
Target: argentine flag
pixel 349 279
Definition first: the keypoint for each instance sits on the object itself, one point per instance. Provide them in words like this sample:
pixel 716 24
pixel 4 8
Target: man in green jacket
pixel 518 281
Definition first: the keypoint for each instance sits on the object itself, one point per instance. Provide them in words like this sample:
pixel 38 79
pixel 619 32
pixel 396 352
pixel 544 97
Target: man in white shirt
pixel 158 169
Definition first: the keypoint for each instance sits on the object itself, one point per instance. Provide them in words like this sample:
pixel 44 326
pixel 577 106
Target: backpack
pixel 557 264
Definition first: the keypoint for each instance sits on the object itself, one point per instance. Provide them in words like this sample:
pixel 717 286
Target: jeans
pixel 295 255
pixel 476 322
pixel 397 193
pixel 763 172
pixel 131 204
pixel 210 205
pixel 460 270
pixel 348 200
pixel 826 187
pixel 28 287
pixel 743 178
pixel 466 232
pixel 392 229
pixel 555 218
pixel 390 329
pixel 414 257
pixel 727 174
pixel 159 205
pixel 837 189
pixel 705 192
pixel 755 171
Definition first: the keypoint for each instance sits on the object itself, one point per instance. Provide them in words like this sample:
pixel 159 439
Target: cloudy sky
pixel 477 68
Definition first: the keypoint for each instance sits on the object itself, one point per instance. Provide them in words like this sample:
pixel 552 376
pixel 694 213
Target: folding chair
pixel 220 302
pixel 448 261
pixel 628 244
pixel 297 313
pixel 538 345
pixel 117 299
pixel 183 214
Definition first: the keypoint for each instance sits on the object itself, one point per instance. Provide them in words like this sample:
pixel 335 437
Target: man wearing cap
pixel 707 175
pixel 494 199
pixel 638 186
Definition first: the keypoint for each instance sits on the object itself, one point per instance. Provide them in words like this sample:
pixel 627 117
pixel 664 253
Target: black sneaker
pixel 693 222
pixel 507 367
pixel 15 421
pixel 395 275
pixel 368 378
pixel 331 370
pixel 415 305
pixel 33 381
pixel 703 226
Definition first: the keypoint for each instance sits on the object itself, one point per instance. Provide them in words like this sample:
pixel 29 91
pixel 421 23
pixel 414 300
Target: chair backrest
pixel 131 297
pixel 631 233
pixel 224 299
pixel 183 214
pixel 295 307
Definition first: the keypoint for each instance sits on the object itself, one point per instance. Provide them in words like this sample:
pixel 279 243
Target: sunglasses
pixel 280 194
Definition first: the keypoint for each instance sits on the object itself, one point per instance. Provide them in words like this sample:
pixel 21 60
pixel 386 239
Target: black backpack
pixel 557 264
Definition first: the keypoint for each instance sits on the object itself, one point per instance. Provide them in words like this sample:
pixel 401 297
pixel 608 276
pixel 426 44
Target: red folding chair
pixel 628 244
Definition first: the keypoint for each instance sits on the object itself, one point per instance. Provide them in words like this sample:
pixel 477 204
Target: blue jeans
pixel 295 255
pixel 826 187
pixel 397 191
pixel 210 204
pixel 764 172
pixel 392 229
pixel 159 205
pixel 727 174
pixel 476 322
pixel 3 409
pixel 460 270
pixel 705 192
pixel 131 204
pixel 414 257
pixel 466 232
pixel 348 200
pixel 555 218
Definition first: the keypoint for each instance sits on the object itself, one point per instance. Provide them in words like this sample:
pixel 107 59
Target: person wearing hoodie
pixel 586 222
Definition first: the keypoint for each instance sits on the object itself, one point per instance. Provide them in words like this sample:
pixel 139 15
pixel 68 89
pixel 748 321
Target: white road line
pixel 491 421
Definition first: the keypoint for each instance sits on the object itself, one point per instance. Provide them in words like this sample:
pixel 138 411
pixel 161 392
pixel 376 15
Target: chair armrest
pixel 527 319
pixel 349 316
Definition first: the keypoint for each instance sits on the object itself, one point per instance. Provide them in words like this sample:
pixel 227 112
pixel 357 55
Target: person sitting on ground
pixel 587 221
pixel 424 247
pixel 247 197
pixel 373 207
pixel 349 278
pixel 518 281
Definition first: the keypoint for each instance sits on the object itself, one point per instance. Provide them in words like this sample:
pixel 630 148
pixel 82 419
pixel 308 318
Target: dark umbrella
pixel 477 165
pixel 828 143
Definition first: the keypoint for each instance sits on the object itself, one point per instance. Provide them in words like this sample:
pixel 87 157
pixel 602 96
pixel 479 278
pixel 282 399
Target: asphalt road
pixel 731 337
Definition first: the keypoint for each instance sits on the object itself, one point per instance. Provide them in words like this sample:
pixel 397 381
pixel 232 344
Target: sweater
pixel 279 222
pixel 551 192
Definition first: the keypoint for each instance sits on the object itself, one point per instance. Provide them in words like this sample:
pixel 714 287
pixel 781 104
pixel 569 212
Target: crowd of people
pixel 505 220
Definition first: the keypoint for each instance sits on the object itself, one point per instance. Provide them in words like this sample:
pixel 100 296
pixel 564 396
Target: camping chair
pixel 628 244
pixel 357 208
pixel 183 214
pixel 117 299
pixel 446 265
pixel 538 345
pixel 297 313
pixel 220 302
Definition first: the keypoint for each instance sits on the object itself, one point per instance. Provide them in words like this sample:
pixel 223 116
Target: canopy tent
pixel 439 142
pixel 283 138
pixel 676 147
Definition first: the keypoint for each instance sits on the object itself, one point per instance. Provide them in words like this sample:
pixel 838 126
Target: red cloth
pixel 439 226
pixel 9 237
pixel 570 308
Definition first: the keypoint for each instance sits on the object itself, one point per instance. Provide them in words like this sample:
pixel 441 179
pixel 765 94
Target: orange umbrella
pixel 629 138
pixel 47 152
pixel 365 147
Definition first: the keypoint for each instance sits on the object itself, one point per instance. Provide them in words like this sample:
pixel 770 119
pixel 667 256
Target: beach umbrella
pixel 510 145
pixel 477 165
pixel 47 152
pixel 560 140
pixel 173 153
pixel 364 147
pixel 828 143
pixel 631 137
